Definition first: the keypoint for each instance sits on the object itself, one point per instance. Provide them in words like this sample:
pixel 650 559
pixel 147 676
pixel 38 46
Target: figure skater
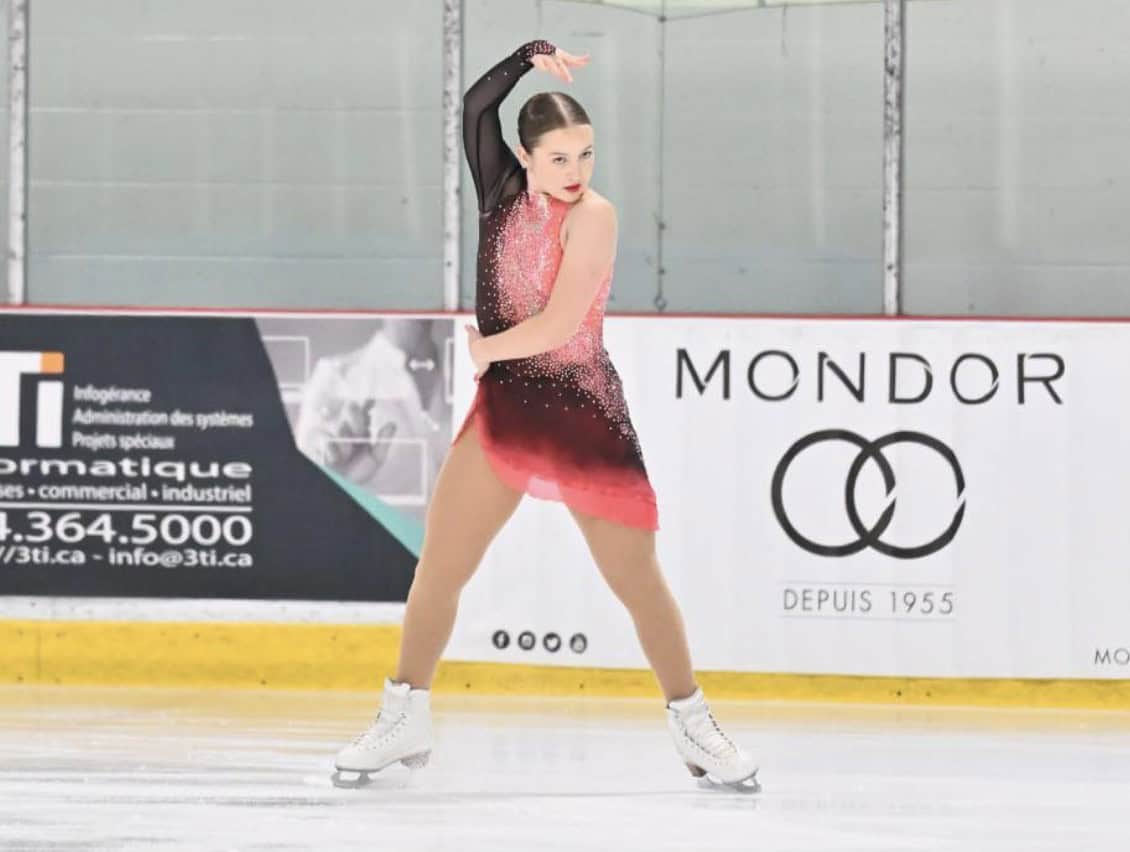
pixel 548 419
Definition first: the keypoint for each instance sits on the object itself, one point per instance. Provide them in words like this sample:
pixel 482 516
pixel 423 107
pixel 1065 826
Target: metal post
pixel 452 104
pixel 895 37
pixel 660 300
pixel 17 150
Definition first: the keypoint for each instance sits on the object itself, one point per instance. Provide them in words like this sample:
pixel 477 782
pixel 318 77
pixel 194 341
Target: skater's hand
pixel 559 63
pixel 474 336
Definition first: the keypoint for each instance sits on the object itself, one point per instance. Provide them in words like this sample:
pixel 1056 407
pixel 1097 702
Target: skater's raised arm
pixel 490 159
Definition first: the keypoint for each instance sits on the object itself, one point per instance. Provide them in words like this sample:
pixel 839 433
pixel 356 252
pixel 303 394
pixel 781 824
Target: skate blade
pixel 363 779
pixel 709 782
pixel 745 785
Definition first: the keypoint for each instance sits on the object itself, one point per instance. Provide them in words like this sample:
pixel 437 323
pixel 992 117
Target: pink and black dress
pixel 554 425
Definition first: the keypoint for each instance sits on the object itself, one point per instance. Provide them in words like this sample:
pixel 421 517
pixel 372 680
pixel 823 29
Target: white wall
pixel 236 152
pixel 1018 183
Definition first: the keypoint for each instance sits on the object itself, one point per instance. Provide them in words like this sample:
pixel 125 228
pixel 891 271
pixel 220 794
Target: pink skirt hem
pixel 633 505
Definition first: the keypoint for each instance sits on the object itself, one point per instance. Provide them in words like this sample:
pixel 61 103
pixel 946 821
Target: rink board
pixel 850 508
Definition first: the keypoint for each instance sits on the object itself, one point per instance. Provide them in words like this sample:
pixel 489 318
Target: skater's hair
pixel 548 111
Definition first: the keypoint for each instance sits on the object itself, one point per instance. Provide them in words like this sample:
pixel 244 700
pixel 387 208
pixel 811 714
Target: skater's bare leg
pixel 468 507
pixel 627 560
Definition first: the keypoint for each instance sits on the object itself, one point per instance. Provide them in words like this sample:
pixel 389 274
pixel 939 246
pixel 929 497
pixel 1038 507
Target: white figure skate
pixel 710 755
pixel 401 732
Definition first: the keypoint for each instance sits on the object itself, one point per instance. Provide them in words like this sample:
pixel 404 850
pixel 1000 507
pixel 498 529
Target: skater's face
pixel 561 162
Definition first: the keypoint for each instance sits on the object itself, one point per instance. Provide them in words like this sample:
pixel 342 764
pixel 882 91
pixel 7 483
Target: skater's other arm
pixel 589 255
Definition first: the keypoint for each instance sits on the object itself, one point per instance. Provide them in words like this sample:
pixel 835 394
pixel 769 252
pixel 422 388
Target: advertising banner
pixel 918 498
pixel 218 456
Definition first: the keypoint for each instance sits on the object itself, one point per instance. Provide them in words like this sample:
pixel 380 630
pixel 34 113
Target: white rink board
pixel 1033 583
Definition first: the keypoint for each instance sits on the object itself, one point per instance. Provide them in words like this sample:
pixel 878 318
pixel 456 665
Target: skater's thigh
pixel 468 507
pixel 625 555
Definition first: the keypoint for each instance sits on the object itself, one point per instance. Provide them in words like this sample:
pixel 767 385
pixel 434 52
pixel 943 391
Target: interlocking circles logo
pixel 809 518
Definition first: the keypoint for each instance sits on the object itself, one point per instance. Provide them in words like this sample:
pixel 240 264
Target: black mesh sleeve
pixel 490 159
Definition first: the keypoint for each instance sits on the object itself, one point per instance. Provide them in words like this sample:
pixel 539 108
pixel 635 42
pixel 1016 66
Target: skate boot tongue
pixel 685 705
pixel 395 699
pixel 695 715
pixel 394 704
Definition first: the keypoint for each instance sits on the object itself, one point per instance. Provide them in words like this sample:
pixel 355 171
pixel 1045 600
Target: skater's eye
pixel 561 158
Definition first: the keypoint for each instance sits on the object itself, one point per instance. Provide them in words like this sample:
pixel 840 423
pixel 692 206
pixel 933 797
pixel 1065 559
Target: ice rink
pixel 124 768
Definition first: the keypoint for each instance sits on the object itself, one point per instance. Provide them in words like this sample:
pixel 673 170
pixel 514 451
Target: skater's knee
pixel 441 578
pixel 637 583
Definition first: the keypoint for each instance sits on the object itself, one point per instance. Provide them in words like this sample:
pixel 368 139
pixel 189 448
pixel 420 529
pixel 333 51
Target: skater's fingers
pixel 570 59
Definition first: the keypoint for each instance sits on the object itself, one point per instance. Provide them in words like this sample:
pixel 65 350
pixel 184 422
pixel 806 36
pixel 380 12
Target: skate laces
pixel 704 731
pixel 383 728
